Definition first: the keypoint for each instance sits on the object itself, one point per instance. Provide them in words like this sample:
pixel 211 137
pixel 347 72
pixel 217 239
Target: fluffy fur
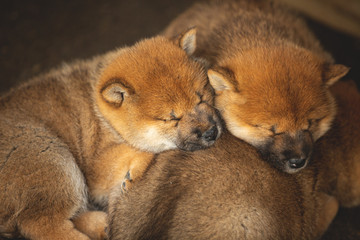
pixel 270 74
pixel 69 136
pixel 228 192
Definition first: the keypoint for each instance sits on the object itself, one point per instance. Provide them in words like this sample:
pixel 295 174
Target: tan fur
pixel 228 192
pixel 112 173
pixel 92 223
pixel 340 175
pixel 270 74
pixel 69 136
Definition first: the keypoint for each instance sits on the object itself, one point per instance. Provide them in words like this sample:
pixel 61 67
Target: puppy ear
pixel 187 40
pixel 221 80
pixel 115 92
pixel 333 72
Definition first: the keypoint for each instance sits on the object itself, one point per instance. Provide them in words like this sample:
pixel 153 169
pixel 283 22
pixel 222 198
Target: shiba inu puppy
pixel 69 136
pixel 228 192
pixel 270 74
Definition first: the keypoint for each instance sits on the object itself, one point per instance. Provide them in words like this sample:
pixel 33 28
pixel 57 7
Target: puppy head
pixel 157 97
pixel 278 100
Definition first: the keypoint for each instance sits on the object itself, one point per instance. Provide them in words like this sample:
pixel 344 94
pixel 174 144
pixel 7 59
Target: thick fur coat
pixel 228 192
pixel 270 74
pixel 69 136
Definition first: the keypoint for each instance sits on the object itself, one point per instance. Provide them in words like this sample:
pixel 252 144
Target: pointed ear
pixel 221 80
pixel 333 72
pixel 115 91
pixel 187 40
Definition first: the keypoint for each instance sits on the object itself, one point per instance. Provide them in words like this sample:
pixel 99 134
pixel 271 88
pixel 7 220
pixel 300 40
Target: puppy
pixel 68 136
pixel 270 74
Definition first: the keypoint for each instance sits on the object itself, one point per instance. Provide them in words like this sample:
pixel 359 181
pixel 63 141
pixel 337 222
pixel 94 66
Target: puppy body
pixel 339 150
pixel 225 192
pixel 270 74
pixel 228 192
pixel 72 134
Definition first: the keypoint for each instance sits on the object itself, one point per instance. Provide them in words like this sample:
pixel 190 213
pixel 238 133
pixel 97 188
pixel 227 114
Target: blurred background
pixel 40 34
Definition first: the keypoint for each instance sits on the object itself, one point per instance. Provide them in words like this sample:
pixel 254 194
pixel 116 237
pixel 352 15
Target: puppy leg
pixel 92 223
pixel 119 163
pixel 41 187
pixel 328 208
pixel 46 228
pixel 126 183
pixel 138 166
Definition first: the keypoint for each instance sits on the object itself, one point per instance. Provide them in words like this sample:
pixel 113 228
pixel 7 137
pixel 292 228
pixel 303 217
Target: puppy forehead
pixel 171 86
pixel 165 103
pixel 281 88
pixel 278 64
pixel 285 104
pixel 154 61
pixel 174 69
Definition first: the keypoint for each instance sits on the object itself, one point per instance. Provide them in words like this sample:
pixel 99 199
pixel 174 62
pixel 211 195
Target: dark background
pixel 38 35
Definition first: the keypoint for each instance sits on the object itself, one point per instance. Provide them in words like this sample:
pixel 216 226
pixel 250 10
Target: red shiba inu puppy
pixel 69 136
pixel 270 75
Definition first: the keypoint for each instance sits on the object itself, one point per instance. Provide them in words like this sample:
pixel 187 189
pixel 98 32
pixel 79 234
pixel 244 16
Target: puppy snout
pixel 199 131
pixel 295 159
pixel 211 134
pixel 296 163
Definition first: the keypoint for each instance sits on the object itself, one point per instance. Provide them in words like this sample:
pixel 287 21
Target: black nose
pixel 211 134
pixel 297 162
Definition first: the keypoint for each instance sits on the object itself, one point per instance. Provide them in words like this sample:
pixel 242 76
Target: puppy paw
pixel 126 183
pixel 93 224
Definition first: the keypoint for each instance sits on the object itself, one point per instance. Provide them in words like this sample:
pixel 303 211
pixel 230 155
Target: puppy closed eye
pixel 314 122
pixel 200 97
pixel 272 129
pixel 172 117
